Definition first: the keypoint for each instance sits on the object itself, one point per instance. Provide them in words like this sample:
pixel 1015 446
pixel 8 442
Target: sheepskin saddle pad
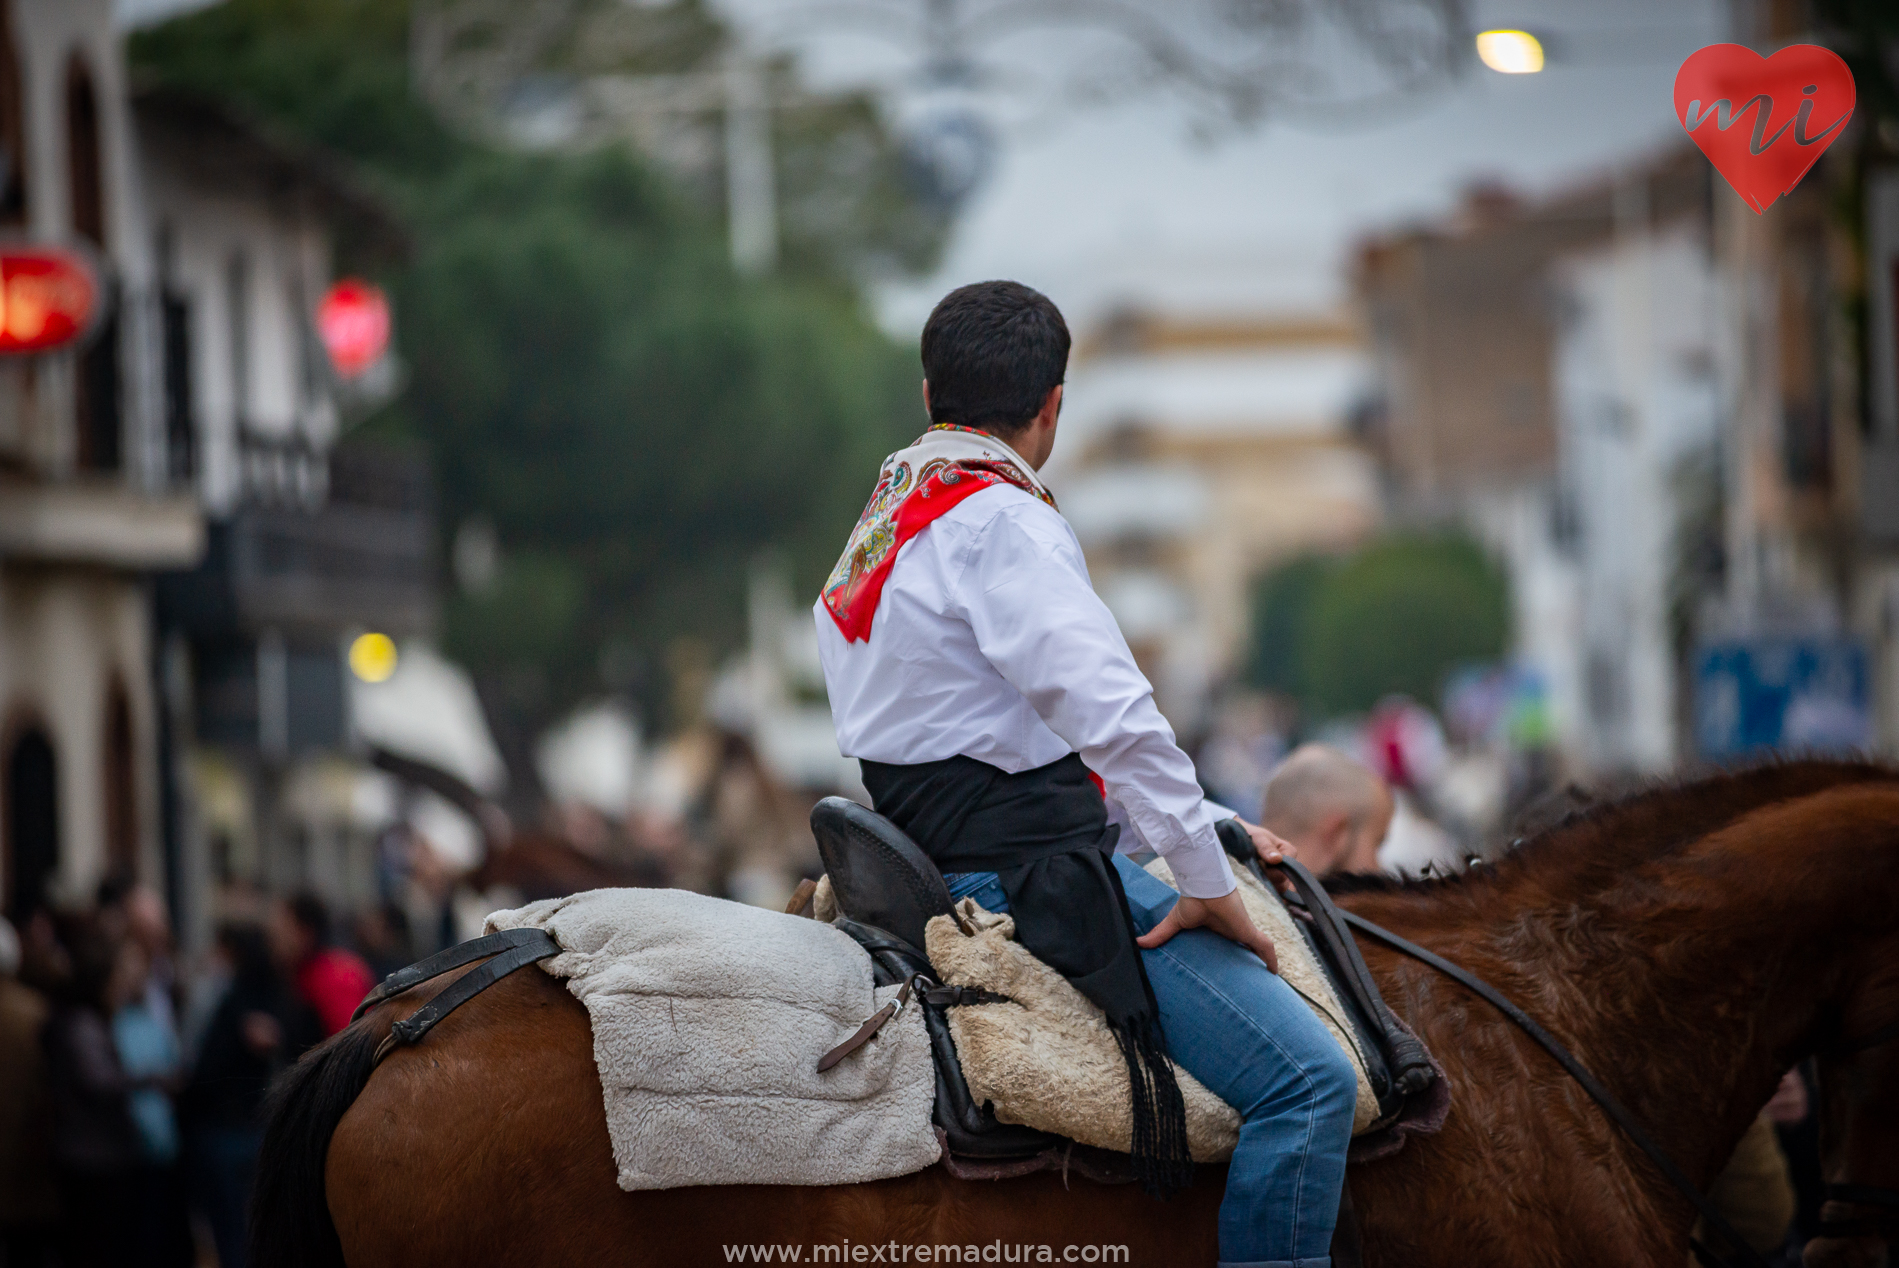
pixel 1047 1060
pixel 709 1018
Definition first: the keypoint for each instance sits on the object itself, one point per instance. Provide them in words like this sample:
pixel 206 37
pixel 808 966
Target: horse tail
pixel 290 1213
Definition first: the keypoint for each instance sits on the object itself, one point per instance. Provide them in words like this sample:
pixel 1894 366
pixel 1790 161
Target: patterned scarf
pixel 945 465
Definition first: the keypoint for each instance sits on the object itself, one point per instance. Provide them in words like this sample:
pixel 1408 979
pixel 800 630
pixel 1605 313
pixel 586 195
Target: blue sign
pixel 1794 695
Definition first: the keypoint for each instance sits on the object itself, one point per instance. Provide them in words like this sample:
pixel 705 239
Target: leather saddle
pixel 887 891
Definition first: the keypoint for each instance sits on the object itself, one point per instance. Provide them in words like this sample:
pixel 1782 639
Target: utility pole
pixel 750 183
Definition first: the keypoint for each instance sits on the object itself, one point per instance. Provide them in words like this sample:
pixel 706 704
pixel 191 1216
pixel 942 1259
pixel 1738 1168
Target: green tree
pixel 1397 617
pixel 1282 606
pixel 589 376
pixel 1339 634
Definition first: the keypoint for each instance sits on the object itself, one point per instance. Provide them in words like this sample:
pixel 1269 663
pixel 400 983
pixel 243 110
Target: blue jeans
pixel 1249 1038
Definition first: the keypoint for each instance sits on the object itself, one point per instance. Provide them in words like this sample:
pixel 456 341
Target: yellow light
pixel 1510 52
pixel 372 657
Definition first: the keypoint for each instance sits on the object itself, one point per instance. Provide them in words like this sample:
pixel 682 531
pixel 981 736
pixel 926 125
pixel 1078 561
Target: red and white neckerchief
pixel 944 466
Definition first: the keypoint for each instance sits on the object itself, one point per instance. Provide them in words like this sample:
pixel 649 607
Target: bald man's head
pixel 1334 809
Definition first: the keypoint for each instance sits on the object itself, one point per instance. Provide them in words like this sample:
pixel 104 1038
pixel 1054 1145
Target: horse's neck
pixel 1694 981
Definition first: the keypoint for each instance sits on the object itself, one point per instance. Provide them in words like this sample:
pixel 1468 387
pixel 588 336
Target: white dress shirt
pixel 989 641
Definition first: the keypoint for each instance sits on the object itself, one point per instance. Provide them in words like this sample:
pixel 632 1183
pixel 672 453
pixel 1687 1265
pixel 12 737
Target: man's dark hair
pixel 992 352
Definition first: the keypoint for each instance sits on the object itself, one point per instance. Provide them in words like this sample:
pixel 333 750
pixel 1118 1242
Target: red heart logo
pixel 1763 121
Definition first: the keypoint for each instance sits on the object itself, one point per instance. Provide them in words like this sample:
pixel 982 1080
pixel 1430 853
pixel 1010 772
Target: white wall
pixel 287 267
pixel 1276 391
pixel 1515 523
pixel 1635 397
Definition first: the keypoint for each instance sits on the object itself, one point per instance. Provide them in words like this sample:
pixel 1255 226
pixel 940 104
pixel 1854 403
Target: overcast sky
pixel 136 13
pixel 1105 205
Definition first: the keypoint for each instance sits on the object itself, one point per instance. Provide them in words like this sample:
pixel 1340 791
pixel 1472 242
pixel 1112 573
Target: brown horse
pixel 1688 944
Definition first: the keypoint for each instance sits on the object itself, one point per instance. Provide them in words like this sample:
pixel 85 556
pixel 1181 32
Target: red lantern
pixel 353 320
pixel 48 297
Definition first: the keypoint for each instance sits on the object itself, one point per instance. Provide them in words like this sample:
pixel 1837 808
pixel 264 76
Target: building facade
pixel 1650 402
pixel 1636 468
pixel 1197 453
pixel 311 540
pixel 187 539
pixel 88 508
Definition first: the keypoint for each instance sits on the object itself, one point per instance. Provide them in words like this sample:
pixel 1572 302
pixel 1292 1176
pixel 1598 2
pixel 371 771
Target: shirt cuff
pixel 1201 870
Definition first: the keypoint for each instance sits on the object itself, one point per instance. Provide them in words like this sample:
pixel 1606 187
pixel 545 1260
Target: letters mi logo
pixel 1791 107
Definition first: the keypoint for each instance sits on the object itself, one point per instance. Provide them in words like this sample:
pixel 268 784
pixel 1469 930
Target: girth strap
pixel 519 948
pixel 1602 1096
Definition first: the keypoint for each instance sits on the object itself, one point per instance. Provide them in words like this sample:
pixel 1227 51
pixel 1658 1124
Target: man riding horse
pixel 1001 721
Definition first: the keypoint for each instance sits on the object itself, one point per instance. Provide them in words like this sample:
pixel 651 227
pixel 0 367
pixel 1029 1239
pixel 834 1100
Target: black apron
pixel 1046 835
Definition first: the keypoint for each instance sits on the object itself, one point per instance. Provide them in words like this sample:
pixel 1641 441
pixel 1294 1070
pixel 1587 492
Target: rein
pixel 1616 1111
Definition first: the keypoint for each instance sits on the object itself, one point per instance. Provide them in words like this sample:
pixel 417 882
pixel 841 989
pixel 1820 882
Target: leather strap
pixel 442 962
pixel 1613 1108
pixel 1411 1069
pixel 536 945
pixel 960 996
pixel 801 897
pixel 872 1024
pixel 1864 1195
pixel 919 987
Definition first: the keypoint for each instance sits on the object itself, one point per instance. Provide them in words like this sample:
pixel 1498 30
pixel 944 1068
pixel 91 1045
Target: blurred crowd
pixel 1452 792
pixel 131 1084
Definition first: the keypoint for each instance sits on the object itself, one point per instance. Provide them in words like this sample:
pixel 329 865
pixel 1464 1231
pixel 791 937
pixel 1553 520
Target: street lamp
pixel 372 657
pixel 1510 52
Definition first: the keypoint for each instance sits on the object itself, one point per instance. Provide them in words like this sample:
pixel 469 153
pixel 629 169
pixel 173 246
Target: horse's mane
pixel 1592 846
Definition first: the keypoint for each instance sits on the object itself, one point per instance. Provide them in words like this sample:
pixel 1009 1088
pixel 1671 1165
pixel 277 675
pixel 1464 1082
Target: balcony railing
pixel 364 557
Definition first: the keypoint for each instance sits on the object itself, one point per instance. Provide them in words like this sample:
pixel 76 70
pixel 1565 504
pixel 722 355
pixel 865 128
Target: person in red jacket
pixel 330 979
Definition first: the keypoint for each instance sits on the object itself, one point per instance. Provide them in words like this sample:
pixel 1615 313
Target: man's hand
pixel 1272 849
pixel 1225 915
